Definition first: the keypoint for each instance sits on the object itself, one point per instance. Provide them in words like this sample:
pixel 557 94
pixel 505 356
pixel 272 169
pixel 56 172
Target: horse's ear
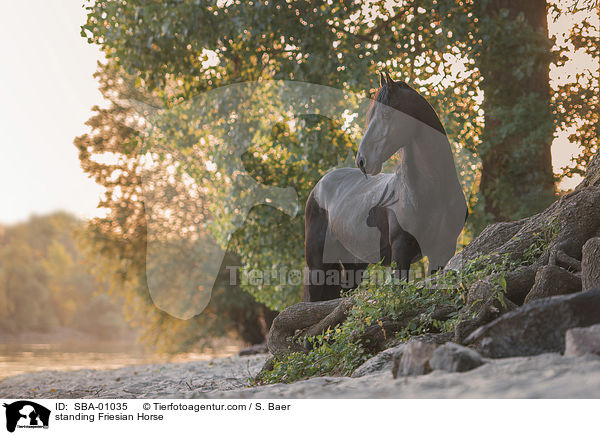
pixel 381 80
pixel 388 79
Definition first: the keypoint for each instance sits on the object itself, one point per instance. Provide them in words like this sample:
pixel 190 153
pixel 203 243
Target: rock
pixel 383 361
pixel 553 281
pixel 484 295
pixel 414 360
pixel 452 357
pixel 519 283
pixel 590 264
pixel 537 327
pixel 464 328
pixel 580 341
pixel 482 299
pixel 479 293
pixel 560 258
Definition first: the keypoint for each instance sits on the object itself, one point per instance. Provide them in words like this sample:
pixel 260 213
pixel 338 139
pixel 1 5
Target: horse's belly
pixel 348 195
pixel 352 241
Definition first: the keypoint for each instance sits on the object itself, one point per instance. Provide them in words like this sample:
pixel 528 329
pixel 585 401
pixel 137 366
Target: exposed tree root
pixel 306 319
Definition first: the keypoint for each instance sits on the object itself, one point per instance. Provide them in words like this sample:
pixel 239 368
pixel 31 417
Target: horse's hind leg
pixel 318 284
pixel 352 275
pixel 322 282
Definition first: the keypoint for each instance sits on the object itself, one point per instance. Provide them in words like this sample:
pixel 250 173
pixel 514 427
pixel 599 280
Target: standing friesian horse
pixel 359 216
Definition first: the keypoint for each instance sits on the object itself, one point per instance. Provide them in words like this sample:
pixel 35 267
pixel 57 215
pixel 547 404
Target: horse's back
pixel 347 186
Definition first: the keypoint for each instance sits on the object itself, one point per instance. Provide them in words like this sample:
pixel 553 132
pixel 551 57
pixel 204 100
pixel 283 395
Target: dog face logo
pixel 26 414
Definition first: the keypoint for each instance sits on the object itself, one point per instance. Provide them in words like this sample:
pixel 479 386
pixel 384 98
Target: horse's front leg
pixel 405 250
pixel 438 260
pixel 401 257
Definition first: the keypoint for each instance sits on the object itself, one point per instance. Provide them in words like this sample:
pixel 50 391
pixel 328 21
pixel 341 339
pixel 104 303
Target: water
pixel 18 358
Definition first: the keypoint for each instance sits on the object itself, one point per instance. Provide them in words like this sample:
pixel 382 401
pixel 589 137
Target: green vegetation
pixel 337 352
pixel 117 243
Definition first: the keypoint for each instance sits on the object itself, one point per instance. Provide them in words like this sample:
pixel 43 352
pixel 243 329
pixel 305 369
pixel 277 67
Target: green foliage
pixel 337 352
pixel 269 239
pixel 116 245
pixel 576 101
pixel 541 240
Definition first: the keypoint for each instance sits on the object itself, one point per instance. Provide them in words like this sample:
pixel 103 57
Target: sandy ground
pixel 543 376
pixel 137 381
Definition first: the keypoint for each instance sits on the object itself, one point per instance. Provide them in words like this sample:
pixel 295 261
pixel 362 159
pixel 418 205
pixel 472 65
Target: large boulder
pixel 580 341
pixel 415 359
pixel 381 362
pixel 452 357
pixel 553 281
pixel 537 327
pixel 590 263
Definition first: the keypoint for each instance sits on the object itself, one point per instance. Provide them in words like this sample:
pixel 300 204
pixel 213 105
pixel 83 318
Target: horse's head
pixel 394 120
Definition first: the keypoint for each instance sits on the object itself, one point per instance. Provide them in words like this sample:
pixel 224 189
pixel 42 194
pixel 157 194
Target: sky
pixel 46 93
pixel 47 90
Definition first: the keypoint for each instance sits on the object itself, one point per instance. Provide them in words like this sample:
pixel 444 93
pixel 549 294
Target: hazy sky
pixel 46 92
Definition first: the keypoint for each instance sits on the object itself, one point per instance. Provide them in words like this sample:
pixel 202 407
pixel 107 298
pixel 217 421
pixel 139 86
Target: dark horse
pixel 360 216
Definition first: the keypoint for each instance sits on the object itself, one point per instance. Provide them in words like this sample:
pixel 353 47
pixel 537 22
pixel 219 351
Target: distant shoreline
pixel 66 351
pixel 62 335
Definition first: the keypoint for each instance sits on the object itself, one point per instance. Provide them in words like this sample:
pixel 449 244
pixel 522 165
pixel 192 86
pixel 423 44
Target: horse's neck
pixel 426 163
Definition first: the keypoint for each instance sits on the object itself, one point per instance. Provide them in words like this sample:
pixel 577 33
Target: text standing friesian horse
pixel 359 216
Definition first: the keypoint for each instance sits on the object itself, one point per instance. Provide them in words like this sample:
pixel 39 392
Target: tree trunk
pixel 517 176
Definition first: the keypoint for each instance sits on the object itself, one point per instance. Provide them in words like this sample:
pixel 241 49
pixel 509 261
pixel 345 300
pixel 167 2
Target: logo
pixel 26 414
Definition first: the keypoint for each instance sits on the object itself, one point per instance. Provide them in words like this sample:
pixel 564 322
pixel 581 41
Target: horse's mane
pixel 427 115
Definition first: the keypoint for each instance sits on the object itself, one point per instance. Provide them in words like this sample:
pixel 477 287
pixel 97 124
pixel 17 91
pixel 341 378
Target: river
pixel 18 358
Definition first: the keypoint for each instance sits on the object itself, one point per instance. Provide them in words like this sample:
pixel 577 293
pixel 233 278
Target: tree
pixel 483 65
pixel 513 56
pixel 112 153
pixel 43 284
pixel 575 101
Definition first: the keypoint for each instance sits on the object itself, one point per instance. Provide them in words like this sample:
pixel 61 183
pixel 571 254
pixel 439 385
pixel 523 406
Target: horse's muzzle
pixel 361 163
